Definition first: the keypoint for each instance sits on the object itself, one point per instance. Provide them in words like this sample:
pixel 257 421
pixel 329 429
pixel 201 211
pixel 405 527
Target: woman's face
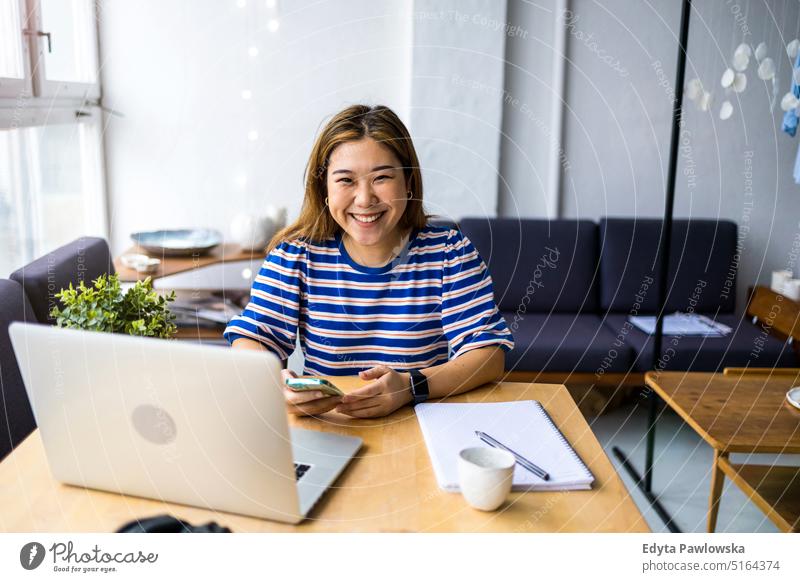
pixel 367 191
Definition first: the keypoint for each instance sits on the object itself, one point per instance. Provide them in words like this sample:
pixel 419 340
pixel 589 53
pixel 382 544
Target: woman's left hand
pixel 388 391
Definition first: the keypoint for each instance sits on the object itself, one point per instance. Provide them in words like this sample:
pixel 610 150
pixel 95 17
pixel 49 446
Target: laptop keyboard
pixel 300 470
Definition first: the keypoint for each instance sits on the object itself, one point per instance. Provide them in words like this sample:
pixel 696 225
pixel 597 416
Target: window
pixel 51 160
pixel 51 189
pixel 14 56
pixel 64 48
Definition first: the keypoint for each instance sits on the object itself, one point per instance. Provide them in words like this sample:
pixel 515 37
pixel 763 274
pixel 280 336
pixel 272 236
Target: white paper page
pixel 681 324
pixel 522 426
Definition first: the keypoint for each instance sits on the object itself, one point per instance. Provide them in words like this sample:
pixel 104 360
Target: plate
pixel 178 243
pixel 793 397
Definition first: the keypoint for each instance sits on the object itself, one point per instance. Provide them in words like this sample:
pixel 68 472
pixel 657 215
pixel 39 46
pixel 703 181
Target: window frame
pixel 37 45
pixel 27 196
pixel 10 86
pixel 36 102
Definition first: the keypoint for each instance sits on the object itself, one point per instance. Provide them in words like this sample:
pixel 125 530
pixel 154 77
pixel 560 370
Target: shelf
pixel 774 489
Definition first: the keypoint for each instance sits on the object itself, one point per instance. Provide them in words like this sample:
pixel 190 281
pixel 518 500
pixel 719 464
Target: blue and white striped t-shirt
pixel 433 302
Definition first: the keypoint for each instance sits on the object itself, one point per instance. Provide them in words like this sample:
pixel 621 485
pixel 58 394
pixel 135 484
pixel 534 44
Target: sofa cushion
pixel 561 342
pixel 747 345
pixel 702 274
pixel 83 259
pixel 538 265
pixel 16 417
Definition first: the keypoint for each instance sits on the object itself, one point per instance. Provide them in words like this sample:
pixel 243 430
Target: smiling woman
pixel 371 286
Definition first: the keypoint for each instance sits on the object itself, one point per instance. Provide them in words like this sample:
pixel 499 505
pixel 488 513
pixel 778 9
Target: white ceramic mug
pixel 485 475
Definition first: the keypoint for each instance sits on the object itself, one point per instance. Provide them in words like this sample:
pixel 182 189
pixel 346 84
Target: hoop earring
pixel 409 194
pixel 326 200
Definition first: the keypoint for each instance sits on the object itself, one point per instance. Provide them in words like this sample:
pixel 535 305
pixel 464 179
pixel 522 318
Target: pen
pixel 536 470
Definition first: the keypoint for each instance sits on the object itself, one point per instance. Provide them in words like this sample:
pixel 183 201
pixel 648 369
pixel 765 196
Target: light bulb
pixel 273 24
pixel 272 3
pixel 247 94
pixel 241 179
pixel 252 135
pixel 241 3
pixel 253 51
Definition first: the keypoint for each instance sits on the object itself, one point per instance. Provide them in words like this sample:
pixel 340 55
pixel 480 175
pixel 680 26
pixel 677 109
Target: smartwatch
pixel 419 386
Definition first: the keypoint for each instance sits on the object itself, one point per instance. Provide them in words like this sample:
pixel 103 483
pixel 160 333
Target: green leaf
pixel 104 307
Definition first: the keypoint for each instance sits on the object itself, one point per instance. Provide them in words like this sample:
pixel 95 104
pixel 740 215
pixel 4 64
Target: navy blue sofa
pixel 29 296
pixel 84 259
pixel 16 416
pixel 567 288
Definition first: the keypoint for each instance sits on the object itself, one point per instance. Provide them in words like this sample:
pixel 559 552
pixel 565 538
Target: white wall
pixel 176 71
pixel 458 43
pixel 617 121
pixel 181 156
pixel 531 128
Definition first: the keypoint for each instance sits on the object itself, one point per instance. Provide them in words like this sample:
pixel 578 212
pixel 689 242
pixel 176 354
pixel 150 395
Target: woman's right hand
pixel 307 403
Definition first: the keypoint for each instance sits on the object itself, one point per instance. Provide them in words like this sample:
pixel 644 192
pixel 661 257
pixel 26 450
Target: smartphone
pixel 310 384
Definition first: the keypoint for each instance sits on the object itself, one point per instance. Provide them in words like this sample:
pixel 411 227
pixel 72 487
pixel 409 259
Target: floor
pixel 682 473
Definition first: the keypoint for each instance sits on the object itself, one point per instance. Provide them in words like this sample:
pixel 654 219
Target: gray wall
pixel 529 131
pixel 617 122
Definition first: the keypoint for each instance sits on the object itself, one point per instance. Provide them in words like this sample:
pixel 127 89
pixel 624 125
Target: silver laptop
pixel 175 421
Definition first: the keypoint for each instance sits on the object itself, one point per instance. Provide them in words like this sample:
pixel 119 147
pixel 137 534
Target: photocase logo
pixel 31 555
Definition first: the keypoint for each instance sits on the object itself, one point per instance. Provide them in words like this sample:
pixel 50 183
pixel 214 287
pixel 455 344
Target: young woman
pixel 373 289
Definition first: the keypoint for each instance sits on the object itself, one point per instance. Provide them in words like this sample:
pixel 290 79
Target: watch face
pixel 419 387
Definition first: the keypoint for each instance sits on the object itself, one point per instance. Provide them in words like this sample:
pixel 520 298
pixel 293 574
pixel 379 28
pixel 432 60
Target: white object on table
pixel 251 232
pixel 484 476
pixel 688 324
pixel 779 279
pixel 277 214
pixel 140 263
pixel 227 276
pixel 793 397
pixel 523 426
pixel 791 289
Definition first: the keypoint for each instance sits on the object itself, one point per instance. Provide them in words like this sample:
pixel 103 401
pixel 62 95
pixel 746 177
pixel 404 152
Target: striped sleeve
pixel 470 318
pixel 272 314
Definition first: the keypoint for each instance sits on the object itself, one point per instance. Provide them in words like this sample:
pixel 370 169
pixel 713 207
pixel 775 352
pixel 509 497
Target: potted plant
pixel 105 307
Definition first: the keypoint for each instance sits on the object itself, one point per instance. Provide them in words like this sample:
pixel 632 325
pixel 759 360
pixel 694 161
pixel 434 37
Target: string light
pixel 253 51
pixel 247 94
pixel 241 3
pixel 252 135
pixel 273 24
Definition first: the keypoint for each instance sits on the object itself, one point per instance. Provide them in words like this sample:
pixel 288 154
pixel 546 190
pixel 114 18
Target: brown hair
pixel 356 122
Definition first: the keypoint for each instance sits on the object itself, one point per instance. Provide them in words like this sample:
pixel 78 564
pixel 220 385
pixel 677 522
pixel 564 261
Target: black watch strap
pixel 419 386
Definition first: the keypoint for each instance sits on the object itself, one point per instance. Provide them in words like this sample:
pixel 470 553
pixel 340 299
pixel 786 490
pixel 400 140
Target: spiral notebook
pixel 523 426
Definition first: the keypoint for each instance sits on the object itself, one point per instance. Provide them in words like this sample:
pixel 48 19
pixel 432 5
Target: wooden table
pixel 174 265
pixel 742 413
pixel 390 486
